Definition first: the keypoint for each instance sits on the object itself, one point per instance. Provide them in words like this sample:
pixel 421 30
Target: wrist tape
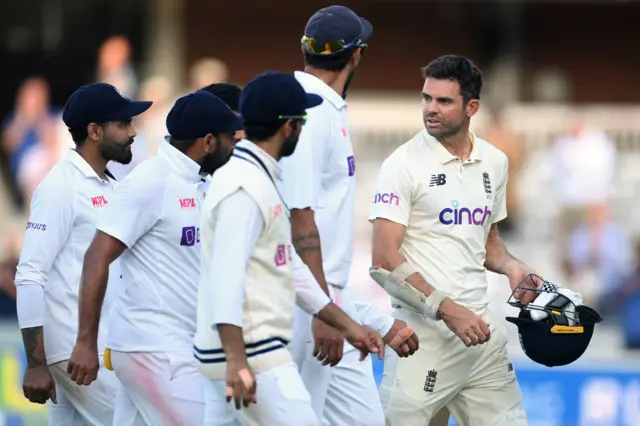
pixel 395 284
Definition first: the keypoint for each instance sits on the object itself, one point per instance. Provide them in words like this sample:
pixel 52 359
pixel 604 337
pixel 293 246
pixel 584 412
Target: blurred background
pixel 561 99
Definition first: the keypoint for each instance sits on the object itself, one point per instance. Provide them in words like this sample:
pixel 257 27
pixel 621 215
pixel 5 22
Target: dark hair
pixel 79 135
pixel 334 62
pixel 260 132
pixel 227 92
pixel 456 68
pixel 181 145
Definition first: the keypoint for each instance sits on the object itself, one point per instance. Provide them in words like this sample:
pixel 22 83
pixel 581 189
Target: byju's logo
pixel 463 215
pixel 190 236
pixel 36 226
pixel 386 198
pixel 351 162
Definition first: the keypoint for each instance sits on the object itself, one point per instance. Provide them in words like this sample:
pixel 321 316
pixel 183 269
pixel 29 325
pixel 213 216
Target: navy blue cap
pixel 99 103
pixel 197 114
pixel 274 95
pixel 335 23
pixel 229 93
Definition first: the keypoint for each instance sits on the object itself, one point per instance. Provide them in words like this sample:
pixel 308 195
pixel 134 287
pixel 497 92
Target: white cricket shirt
pixel 62 223
pixel 448 208
pixel 155 212
pixel 321 175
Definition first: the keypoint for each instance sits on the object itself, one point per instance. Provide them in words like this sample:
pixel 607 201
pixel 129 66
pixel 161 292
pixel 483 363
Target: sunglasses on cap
pixel 301 118
pixel 312 45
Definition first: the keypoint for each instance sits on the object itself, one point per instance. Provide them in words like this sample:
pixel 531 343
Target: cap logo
pixel 565 329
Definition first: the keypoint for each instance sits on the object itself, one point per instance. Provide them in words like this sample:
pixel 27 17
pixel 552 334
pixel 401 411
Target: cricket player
pixel 435 212
pixel 62 221
pixel 153 225
pixel 247 289
pixel 319 187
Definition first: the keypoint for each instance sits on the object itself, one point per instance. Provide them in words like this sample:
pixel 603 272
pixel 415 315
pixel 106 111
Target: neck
pixel 91 155
pixel 334 79
pixel 271 147
pixel 459 144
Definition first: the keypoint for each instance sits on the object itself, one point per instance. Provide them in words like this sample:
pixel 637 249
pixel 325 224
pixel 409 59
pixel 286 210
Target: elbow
pixel 381 256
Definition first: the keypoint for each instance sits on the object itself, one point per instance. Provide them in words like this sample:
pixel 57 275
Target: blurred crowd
pixel 597 257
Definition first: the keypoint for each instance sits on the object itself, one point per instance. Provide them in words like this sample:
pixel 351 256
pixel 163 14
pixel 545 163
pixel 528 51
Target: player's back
pixel 156 306
pixel 321 175
pixel 64 212
pixel 448 207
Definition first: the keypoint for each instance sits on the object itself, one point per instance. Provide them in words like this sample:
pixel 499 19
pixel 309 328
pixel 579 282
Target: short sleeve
pixel 50 223
pixel 393 195
pixel 500 201
pixel 134 208
pixel 302 171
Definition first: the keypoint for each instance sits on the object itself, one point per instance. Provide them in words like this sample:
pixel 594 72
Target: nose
pixel 132 131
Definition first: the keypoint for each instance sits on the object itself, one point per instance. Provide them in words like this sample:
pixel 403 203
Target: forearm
pixel 93 285
pixel 332 315
pixel 34 346
pixel 390 259
pixel 498 259
pixel 232 342
pixel 306 241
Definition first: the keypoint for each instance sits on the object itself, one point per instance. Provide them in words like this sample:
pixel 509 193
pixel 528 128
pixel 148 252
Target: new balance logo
pixel 430 381
pixel 438 180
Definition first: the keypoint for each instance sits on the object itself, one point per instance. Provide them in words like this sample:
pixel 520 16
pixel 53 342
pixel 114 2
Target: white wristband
pixel 432 305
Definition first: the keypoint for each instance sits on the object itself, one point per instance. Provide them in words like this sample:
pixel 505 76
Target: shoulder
pixel 408 152
pixel 148 178
pixel 492 154
pixel 59 181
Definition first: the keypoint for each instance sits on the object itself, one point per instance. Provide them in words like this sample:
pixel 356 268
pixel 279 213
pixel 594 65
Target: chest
pixel 179 224
pixel 454 194
pixel 91 201
pixel 340 163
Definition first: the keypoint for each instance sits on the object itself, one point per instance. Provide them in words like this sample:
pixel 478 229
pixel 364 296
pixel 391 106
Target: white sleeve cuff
pixel 309 294
pixel 30 305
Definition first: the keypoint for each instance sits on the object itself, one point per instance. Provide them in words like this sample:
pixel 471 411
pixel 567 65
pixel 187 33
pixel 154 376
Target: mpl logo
pixel 464 215
pixel 190 236
pixel 37 226
pixel 386 198
pixel 283 255
pixel 99 201
pixel 187 203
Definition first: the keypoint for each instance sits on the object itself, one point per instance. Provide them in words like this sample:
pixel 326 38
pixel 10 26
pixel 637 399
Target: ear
pixel 209 143
pixel 94 131
pixel 472 107
pixel 289 128
pixel 357 55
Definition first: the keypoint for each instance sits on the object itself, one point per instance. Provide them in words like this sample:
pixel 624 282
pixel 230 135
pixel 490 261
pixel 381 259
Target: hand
pixel 83 365
pixel 328 343
pixel 38 385
pixel 241 384
pixel 520 275
pixel 366 340
pixel 469 327
pixel 401 339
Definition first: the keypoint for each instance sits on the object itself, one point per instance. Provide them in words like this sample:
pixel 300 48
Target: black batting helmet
pixel 555 329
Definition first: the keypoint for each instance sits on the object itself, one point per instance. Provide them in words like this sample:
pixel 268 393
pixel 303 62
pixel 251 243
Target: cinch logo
pixel 386 198
pixel 187 203
pixel 283 255
pixel 37 226
pixel 99 201
pixel 463 215
pixel 190 236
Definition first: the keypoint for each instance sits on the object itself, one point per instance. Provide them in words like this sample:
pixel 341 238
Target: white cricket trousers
pixel 344 395
pixel 158 389
pixel 80 405
pixel 282 400
pixel 476 384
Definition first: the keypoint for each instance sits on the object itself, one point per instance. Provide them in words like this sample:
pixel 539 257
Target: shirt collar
pixel 182 165
pixel 82 165
pixel 444 156
pixel 313 84
pixel 269 162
